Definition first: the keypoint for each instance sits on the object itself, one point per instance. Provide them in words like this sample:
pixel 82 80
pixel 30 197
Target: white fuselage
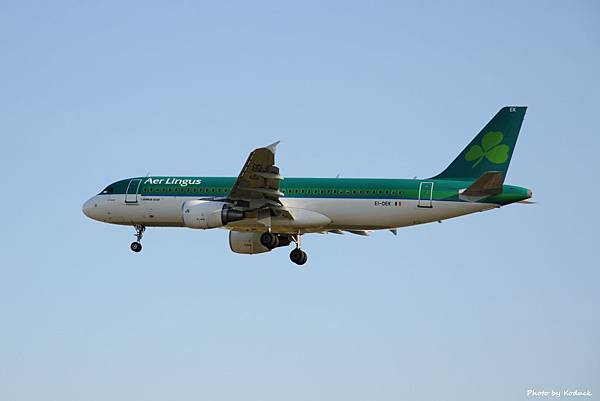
pixel 344 214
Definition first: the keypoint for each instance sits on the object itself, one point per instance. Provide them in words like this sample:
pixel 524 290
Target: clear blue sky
pixel 480 307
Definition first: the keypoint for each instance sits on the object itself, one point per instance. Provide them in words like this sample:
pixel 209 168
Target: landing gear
pixel 136 246
pixel 269 240
pixel 298 256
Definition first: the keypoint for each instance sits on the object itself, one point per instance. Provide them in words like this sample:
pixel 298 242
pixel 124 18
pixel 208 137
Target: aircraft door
pixel 425 194
pixel 131 195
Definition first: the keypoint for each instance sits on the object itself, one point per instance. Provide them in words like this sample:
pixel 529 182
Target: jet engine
pixel 208 214
pixel 249 242
pixel 245 242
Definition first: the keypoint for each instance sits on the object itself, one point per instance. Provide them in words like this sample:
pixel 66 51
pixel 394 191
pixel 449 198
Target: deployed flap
pixel 488 184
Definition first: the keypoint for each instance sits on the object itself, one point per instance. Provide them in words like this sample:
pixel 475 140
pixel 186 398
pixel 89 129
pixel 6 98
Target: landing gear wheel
pixel 298 256
pixel 136 246
pixel 269 240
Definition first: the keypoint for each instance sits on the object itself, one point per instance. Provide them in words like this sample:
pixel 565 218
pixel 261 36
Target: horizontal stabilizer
pixel 488 184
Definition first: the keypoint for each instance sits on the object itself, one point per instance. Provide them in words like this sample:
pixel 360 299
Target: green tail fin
pixel 490 150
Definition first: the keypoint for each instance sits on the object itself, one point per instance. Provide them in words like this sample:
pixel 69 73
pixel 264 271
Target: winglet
pixel 272 147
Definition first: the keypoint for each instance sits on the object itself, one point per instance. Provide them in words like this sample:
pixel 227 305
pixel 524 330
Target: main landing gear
pixel 136 246
pixel 298 256
pixel 269 240
pixel 272 241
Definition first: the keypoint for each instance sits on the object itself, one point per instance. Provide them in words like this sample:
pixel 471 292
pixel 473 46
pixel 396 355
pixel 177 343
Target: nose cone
pixel 89 208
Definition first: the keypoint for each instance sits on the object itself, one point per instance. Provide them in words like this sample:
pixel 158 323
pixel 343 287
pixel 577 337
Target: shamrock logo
pixel 491 148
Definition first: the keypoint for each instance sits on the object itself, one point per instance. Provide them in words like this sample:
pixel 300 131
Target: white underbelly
pixel 382 213
pixel 365 214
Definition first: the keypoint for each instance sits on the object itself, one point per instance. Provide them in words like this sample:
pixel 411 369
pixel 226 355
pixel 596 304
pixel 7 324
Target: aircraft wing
pixel 258 183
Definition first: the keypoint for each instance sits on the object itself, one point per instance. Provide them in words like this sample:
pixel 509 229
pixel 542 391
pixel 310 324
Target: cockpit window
pixel 108 190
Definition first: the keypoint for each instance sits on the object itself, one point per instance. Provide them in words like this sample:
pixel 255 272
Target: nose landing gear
pixel 136 246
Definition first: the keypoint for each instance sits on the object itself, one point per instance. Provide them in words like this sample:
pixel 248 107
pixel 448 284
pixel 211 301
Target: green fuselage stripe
pixel 358 188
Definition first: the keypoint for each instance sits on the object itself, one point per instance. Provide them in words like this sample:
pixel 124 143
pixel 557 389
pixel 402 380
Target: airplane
pixel 263 211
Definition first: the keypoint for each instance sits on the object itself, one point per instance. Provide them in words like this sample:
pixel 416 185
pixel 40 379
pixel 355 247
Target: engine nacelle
pixel 246 242
pixel 208 214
